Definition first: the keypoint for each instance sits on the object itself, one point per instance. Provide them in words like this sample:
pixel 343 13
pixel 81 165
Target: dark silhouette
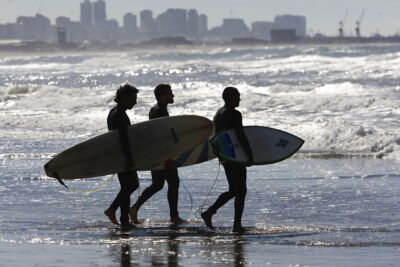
pixel 118 120
pixel 227 118
pixel 164 96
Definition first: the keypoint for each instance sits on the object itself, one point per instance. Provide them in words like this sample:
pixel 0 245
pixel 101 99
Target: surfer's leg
pixel 110 213
pixel 226 196
pixel 173 194
pixel 240 189
pixel 222 199
pixel 156 185
pixel 129 183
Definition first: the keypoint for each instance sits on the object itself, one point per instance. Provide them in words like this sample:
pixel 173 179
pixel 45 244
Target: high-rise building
pixel 36 28
pixel 173 22
pixel 130 23
pixel 9 31
pixel 87 14
pixel 286 22
pixel 230 28
pixel 147 24
pixel 99 13
pixel 63 27
pixel 262 29
pixel 76 34
pixel 203 24
pixel 193 22
pixel 235 27
pixel 130 27
pixel 111 31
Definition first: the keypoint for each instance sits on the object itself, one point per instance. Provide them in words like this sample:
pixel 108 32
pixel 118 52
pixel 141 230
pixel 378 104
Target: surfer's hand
pixel 250 162
pixel 169 164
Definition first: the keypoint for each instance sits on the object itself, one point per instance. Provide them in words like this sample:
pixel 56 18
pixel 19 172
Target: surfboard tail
pixel 53 174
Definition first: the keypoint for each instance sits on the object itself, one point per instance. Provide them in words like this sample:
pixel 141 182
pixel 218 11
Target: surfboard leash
pixel 204 207
pixel 101 187
pixel 190 197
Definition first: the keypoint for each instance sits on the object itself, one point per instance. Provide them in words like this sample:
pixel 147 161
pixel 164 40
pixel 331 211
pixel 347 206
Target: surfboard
pixel 268 145
pixel 198 154
pixel 151 142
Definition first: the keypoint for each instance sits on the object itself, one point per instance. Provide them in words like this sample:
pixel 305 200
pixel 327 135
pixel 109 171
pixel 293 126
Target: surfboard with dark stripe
pixel 268 145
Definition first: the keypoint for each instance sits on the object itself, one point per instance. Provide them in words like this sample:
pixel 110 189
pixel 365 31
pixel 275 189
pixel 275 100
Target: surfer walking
pixel 117 119
pixel 228 118
pixel 164 96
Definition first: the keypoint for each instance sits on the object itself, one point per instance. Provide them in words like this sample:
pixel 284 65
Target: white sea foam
pixel 338 100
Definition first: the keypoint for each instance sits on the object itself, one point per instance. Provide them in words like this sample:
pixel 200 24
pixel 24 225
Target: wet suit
pixel 228 118
pixel 118 120
pixel 158 177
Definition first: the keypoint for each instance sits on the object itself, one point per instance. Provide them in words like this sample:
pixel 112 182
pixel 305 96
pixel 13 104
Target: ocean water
pixel 335 203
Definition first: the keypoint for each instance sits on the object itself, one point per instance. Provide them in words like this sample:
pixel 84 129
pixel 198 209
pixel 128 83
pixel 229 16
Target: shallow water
pixel 314 212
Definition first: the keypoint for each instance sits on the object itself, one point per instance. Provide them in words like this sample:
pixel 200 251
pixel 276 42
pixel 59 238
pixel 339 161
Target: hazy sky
pixel 323 16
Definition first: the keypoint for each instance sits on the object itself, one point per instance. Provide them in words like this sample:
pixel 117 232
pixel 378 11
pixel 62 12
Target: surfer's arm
pixel 123 133
pixel 121 124
pixel 243 138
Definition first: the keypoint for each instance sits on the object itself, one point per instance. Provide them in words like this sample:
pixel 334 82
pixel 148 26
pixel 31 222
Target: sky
pixel 323 16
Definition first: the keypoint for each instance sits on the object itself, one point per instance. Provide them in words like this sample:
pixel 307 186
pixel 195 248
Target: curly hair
pixel 125 90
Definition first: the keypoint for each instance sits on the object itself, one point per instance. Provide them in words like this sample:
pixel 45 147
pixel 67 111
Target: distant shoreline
pixel 171 44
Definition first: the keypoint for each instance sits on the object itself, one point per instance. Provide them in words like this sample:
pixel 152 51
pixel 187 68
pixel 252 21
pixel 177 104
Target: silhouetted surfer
pixel 164 96
pixel 228 118
pixel 125 98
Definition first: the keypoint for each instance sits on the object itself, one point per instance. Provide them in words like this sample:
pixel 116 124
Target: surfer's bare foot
pixel 133 215
pixel 178 220
pixel 238 229
pixel 207 219
pixel 111 216
pixel 127 226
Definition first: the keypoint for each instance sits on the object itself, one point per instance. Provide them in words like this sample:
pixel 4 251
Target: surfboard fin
pixel 59 180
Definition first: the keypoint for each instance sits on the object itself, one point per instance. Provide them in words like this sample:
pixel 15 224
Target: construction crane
pixel 358 24
pixel 341 25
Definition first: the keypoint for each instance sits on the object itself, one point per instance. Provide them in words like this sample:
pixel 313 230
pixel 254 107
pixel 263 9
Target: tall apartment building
pixel 193 22
pixel 37 28
pixel 287 22
pixel 99 13
pixel 203 24
pixel 173 22
pixel 262 29
pixel 147 24
pixel 129 27
pixel 235 28
pixel 130 23
pixel 87 14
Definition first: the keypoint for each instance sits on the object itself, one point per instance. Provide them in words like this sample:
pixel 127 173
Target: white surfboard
pixel 195 155
pixel 199 154
pixel 151 142
pixel 268 145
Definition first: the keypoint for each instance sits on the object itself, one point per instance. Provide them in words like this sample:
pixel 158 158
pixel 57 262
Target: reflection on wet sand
pixel 239 252
pixel 173 249
pixel 125 255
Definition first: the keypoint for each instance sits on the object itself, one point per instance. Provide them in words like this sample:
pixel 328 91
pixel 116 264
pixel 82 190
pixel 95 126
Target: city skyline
pixel 322 16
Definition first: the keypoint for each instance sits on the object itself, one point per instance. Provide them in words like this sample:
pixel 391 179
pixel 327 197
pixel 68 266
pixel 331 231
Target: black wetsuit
pixel 225 119
pixel 160 176
pixel 118 120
